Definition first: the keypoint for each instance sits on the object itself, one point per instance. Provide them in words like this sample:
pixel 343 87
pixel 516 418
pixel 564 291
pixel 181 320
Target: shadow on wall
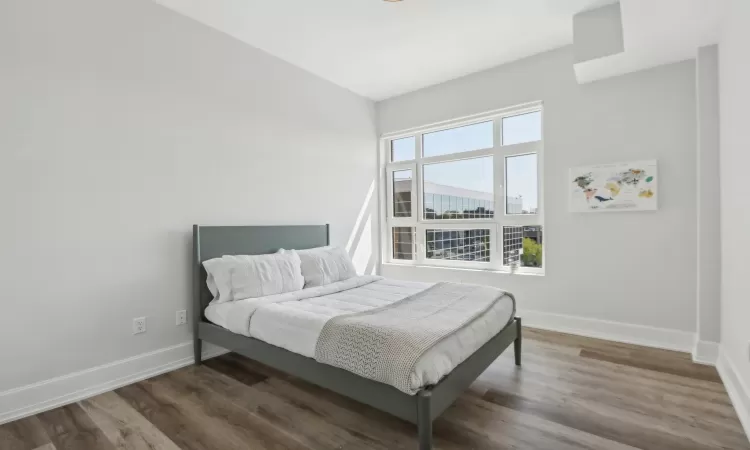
pixel 360 244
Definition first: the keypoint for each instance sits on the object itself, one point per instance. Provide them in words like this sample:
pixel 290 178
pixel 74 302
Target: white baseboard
pixel 612 331
pixel 705 352
pixel 738 391
pixel 49 394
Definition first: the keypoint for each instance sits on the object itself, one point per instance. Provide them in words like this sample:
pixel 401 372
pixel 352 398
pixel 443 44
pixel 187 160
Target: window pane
pixel 522 246
pixel 458 245
pixel 403 149
pixel 459 189
pixel 521 184
pixel 523 128
pixel 455 140
pixel 403 243
pixel 402 193
pixel 429 206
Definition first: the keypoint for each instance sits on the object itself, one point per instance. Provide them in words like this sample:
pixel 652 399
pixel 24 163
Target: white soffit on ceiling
pixel 657 32
pixel 380 49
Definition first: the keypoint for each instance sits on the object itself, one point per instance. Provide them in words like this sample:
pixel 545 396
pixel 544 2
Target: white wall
pixel 124 123
pixel 635 268
pixel 709 211
pixel 734 49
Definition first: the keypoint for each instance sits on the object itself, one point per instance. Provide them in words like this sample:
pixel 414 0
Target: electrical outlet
pixel 139 325
pixel 181 317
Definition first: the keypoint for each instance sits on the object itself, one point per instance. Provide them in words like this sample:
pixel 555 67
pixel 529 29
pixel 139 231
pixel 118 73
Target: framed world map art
pixel 614 187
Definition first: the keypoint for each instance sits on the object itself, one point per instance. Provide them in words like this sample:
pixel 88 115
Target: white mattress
pixel 294 322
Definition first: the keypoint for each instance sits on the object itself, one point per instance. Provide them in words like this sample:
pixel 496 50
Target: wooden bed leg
pixel 424 419
pixel 197 349
pixel 517 342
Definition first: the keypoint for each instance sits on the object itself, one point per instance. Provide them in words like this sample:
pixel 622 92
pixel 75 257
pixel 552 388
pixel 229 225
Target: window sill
pixel 464 269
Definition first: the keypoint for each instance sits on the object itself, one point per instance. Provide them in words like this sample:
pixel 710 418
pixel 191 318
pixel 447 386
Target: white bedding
pixel 294 320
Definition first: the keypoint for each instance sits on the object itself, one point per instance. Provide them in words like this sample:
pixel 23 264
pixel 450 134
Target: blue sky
pixel 476 174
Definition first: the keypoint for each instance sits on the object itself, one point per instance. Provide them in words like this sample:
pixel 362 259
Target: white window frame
pixel 417 221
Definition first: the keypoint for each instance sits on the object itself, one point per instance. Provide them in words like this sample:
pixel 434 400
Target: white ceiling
pixel 379 49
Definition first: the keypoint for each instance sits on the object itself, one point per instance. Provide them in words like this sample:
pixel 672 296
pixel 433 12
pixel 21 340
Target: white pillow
pixel 325 265
pixel 237 277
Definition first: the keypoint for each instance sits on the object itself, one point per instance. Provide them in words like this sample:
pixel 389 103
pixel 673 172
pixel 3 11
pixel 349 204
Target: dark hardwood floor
pixel 571 393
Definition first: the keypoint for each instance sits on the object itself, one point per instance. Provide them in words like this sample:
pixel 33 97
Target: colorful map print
pixel 614 187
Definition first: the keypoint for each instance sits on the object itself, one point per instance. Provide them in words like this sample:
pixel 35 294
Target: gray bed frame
pixel 420 409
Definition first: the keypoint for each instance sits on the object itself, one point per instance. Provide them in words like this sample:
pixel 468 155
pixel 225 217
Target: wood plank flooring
pixel 571 393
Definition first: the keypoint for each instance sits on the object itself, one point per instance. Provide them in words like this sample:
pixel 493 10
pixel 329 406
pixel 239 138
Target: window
pixel 521 180
pixel 402 181
pixel 522 246
pixel 403 149
pixel 458 189
pixel 468 194
pixel 403 243
pixel 459 139
pixel 458 245
pixel 522 128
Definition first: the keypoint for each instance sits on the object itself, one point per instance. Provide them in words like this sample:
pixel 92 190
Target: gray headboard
pixel 214 242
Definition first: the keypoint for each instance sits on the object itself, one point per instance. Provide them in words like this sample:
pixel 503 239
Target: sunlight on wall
pixel 359 244
pixel 364 253
pixel 358 223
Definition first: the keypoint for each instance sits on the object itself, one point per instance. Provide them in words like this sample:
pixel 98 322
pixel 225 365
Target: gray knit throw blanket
pixel 384 344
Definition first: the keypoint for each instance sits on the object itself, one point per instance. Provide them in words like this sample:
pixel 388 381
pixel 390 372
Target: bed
pixel 279 333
